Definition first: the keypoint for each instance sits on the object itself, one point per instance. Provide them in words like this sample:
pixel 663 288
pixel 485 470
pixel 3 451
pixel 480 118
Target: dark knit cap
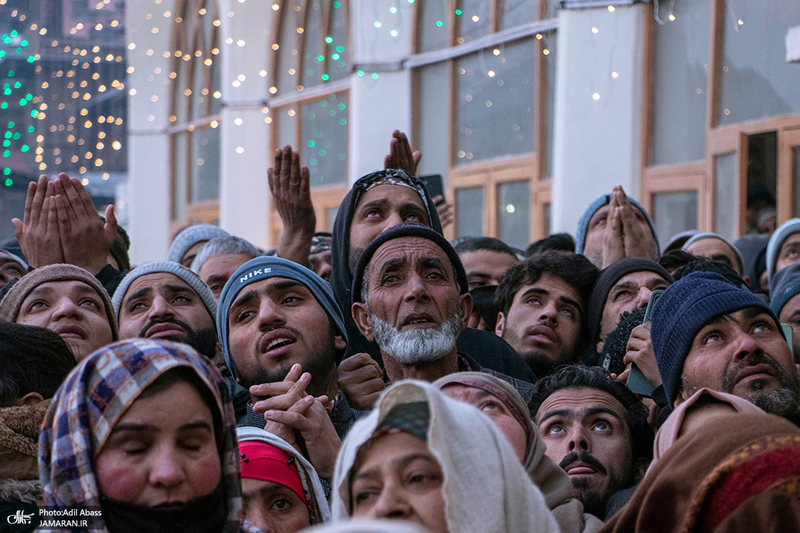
pixel 407 230
pixel 785 286
pixel 685 307
pixel 12 302
pixel 606 280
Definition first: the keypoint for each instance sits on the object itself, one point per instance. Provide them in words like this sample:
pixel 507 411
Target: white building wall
pixel 597 142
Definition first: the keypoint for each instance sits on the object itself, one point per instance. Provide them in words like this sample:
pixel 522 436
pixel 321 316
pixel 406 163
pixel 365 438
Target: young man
pixel 542 309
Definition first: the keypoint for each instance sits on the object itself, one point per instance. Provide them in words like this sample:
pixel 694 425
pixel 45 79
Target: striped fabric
pixel 93 398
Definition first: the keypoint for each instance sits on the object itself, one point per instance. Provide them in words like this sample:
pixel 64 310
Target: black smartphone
pixel 637 383
pixel 433 183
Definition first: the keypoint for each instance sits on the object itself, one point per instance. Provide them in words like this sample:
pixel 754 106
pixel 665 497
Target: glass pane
pixel 513 213
pixel 496 112
pixel 181 171
pixel 337 43
pixel 205 164
pixel 726 196
pixel 473 19
pixel 433 117
pixel 287 127
pixel 796 178
pixel 681 81
pixel 287 52
pixel 324 148
pixel 674 212
pixel 547 224
pixel 199 89
pixel 516 12
pixel 313 59
pixel 216 83
pixel 182 102
pixel 330 216
pixel 434 27
pixel 754 61
pixel 469 212
pixel 549 40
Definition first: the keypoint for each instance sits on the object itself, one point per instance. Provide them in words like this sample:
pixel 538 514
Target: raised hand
pixel 37 232
pixel 401 156
pixel 360 378
pixel 289 184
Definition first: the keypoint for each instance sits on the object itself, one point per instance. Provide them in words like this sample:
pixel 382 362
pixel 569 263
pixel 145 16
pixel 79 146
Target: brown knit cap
pixel 11 303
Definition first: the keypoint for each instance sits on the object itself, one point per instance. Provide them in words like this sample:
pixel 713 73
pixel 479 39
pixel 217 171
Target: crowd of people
pixel 379 378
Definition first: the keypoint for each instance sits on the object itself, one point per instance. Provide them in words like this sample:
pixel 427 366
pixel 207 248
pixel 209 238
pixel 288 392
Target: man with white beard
pixel 411 296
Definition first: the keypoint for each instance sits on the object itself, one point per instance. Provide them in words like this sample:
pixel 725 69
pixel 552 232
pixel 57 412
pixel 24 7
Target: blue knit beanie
pixel 583 223
pixel 686 306
pixel 262 268
pixel 789 227
pixel 785 286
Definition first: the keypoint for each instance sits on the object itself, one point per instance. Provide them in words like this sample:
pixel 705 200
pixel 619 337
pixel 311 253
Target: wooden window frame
pixel 324 196
pixel 490 174
pixel 699 175
pixel 207 211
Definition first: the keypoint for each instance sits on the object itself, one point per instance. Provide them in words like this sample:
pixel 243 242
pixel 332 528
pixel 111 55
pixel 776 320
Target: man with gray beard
pixel 709 333
pixel 410 295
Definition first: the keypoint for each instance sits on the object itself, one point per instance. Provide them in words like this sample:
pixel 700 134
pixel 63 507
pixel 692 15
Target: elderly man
pixel 163 300
pixel 624 286
pixel 613 227
pixel 783 248
pixel 542 309
pixel 596 430
pixel 65 299
pixel 410 296
pixel 709 333
pixel 378 201
pixel 219 258
pixel 282 333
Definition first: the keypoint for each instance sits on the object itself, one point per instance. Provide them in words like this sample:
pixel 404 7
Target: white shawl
pixel 486 489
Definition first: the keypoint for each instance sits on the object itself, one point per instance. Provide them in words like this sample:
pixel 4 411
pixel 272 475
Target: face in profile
pixel 162 452
pixel 396 477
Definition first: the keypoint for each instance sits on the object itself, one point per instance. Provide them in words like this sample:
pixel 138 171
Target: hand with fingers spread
pixel 445 210
pixel 85 239
pixel 289 184
pixel 38 232
pixel 361 380
pixel 401 156
pixel 640 351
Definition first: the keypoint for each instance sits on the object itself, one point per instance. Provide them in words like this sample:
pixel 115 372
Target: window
pixel 194 113
pixel 484 86
pixel 309 96
pixel 706 138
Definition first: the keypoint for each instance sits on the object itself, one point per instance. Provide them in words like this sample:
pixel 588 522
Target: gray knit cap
pixel 169 267
pixel 191 236
pixel 790 227
pixel 701 236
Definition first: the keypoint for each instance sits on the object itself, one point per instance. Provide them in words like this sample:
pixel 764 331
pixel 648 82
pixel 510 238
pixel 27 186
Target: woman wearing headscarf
pixel 733 471
pixel 144 430
pixel 501 402
pixel 394 461
pixel 281 490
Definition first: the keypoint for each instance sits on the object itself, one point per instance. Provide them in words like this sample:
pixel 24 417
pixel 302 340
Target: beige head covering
pixel 486 490
pixel 545 474
pixel 368 526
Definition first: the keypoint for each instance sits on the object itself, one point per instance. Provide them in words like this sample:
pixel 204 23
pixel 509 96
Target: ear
pixel 339 343
pixel 501 324
pixel 465 306
pixel 361 318
pixel 747 281
pixel 681 397
pixel 219 347
pixel 32 398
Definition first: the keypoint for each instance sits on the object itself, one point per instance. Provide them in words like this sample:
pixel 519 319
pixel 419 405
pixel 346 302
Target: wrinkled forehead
pixel 408 251
pixel 157 282
pixel 394 193
pixel 642 278
pixel 579 402
pixel 58 289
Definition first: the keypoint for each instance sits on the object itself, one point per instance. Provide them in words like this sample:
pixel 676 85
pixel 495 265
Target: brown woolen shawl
pixel 739 473
pixel 545 474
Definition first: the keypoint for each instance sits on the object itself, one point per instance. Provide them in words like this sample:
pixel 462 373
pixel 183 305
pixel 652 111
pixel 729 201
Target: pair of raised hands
pixel 289 184
pixel 61 225
pixel 625 235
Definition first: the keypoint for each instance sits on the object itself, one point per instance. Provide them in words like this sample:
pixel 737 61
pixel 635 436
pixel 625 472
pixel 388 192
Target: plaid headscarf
pixel 92 399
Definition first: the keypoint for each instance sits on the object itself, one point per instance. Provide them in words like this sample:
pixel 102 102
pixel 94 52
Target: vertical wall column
pixel 598 108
